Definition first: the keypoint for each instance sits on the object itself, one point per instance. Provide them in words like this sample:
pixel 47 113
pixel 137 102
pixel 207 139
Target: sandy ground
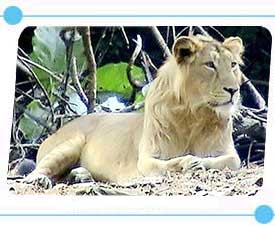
pixel 246 181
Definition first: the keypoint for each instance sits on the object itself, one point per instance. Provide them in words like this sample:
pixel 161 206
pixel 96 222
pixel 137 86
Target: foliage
pixel 113 78
pixel 49 51
pixel 30 128
pixel 112 53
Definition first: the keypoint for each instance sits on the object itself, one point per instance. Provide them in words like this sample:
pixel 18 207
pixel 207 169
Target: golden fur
pixel 186 124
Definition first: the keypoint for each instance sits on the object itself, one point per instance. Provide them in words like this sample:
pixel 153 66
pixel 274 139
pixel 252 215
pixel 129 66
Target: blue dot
pixel 13 15
pixel 264 214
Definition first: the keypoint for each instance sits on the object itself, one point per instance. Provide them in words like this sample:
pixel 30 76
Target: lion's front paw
pixel 79 175
pixel 38 179
pixel 191 162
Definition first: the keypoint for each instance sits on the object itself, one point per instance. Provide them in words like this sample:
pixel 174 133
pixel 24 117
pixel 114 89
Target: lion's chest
pixel 208 141
pixel 198 140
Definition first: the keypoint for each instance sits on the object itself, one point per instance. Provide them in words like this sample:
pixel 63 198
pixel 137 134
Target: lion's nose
pixel 232 91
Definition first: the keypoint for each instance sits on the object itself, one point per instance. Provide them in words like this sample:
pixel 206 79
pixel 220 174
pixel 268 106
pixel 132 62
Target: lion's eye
pixel 233 64
pixel 210 65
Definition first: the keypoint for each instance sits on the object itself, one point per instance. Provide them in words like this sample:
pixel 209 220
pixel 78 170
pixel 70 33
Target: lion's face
pixel 212 75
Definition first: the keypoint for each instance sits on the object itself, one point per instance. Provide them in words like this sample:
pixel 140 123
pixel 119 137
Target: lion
pixel 186 124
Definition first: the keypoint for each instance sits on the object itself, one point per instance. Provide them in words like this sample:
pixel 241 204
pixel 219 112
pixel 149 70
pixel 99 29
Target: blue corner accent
pixel 13 15
pixel 264 214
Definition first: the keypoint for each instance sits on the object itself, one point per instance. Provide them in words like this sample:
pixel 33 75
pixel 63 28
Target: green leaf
pixel 113 78
pixel 30 128
pixel 139 97
pixel 49 51
pixel 49 48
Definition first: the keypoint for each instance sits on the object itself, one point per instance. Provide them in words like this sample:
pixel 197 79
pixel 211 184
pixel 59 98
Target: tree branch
pixel 32 73
pixel 91 63
pixel 135 83
pixel 77 84
pixel 160 41
pixel 256 97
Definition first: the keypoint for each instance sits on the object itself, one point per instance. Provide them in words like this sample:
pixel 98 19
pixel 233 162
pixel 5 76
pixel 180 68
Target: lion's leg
pixel 149 166
pixel 152 166
pixel 231 161
pixel 57 161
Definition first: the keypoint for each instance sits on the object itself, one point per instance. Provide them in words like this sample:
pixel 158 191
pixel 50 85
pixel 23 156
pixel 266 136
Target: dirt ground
pixel 246 181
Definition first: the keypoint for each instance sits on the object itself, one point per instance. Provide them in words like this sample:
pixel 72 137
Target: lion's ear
pixel 184 49
pixel 235 45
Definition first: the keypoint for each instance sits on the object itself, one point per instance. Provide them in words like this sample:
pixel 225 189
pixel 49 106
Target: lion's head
pixel 208 73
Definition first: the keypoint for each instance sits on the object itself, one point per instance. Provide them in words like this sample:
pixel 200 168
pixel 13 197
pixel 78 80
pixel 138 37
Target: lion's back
pixel 92 125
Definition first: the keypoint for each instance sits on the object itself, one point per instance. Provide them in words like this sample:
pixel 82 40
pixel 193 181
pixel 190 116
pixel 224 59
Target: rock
pixel 198 188
pixel 259 182
pixel 228 175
